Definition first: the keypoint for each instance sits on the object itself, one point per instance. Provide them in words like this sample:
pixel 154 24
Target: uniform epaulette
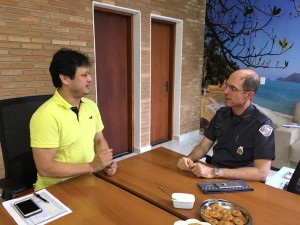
pixel 224 111
pixel 260 116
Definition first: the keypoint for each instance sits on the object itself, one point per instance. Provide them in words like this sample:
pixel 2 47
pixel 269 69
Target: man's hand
pixel 198 152
pixel 111 169
pixel 201 170
pixel 184 163
pixel 101 160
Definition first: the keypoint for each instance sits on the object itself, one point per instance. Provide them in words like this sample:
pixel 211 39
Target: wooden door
pixel 114 78
pixel 162 63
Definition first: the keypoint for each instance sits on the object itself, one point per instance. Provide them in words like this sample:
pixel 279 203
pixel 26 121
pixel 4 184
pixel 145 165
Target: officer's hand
pixel 201 170
pixel 184 163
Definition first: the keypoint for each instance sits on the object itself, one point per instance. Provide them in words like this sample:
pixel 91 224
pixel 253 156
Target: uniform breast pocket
pixel 243 148
pixel 219 133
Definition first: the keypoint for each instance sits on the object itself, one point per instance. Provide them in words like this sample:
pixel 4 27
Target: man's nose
pixel 226 89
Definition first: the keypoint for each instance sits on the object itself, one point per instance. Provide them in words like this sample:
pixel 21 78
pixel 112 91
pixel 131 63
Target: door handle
pixel 167 86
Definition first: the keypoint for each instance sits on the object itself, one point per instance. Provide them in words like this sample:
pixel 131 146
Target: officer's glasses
pixel 232 88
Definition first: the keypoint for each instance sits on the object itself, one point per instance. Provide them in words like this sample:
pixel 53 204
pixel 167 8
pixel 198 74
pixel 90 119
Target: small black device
pixel 27 207
pixel 224 186
pixel 229 184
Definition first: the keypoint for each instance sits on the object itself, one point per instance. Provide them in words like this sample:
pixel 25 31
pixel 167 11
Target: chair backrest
pixel 15 115
pixel 294 184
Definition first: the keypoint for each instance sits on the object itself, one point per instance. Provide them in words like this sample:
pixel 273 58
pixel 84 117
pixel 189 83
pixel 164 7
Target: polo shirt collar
pixel 61 101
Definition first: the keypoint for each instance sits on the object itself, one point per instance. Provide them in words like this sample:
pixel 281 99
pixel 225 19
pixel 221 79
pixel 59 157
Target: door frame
pixel 177 71
pixel 171 28
pixel 136 57
pixel 122 22
pixel 136 26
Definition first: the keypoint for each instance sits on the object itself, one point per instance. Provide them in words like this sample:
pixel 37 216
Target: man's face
pixel 80 86
pixel 235 96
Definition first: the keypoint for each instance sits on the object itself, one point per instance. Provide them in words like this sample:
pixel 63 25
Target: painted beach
pixel 276 99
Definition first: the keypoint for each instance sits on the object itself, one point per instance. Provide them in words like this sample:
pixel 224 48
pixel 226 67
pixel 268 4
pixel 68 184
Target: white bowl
pixel 183 200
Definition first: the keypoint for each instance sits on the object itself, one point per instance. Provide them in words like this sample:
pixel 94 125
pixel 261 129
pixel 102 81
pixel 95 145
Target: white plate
pixel 189 221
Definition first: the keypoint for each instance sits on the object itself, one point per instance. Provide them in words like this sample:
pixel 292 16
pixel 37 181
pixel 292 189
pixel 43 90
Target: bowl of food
pixel 214 211
pixel 183 200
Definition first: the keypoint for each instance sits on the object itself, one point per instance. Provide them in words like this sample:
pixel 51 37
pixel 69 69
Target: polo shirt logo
pixel 266 130
pixel 91 117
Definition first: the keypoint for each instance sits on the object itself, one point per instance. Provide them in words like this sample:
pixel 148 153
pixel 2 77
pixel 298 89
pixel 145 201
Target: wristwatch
pixel 217 172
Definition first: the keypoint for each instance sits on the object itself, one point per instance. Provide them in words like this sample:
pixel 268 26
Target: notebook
pixel 224 186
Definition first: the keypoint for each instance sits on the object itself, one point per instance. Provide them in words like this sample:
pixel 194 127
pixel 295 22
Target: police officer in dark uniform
pixel 244 136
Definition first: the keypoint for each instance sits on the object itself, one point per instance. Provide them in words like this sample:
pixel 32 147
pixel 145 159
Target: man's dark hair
pixel 65 61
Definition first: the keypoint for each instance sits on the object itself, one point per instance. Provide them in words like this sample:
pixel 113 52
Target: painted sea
pixel 278 96
pixel 276 99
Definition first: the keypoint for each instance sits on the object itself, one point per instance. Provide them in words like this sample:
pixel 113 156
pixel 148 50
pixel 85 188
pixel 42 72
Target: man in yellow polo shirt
pixel 66 131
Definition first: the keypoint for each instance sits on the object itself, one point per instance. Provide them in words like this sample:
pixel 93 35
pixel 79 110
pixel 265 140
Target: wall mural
pixel 261 35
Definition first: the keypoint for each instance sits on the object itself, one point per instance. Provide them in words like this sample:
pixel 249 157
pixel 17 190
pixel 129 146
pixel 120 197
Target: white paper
pixel 281 178
pixel 293 125
pixel 50 211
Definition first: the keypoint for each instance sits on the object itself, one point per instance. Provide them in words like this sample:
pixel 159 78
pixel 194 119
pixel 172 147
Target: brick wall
pixel 32 30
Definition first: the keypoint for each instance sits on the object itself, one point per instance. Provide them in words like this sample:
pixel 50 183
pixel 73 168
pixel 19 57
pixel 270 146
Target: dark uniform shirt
pixel 240 139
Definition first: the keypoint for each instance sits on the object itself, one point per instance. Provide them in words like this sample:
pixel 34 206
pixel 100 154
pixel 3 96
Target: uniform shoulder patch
pixel 266 130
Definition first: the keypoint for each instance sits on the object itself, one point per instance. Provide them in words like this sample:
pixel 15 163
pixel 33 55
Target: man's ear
pixel 64 79
pixel 250 95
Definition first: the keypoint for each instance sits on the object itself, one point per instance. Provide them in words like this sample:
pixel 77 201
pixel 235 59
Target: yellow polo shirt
pixel 55 125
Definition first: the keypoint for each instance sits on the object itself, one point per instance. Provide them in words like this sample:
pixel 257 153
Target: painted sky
pixel 284 26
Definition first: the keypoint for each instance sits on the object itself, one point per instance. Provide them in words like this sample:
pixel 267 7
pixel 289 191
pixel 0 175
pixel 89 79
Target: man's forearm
pixel 244 173
pixel 100 144
pixel 201 149
pixel 197 153
pixel 63 169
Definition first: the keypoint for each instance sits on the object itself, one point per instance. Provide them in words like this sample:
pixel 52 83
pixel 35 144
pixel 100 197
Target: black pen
pixel 40 197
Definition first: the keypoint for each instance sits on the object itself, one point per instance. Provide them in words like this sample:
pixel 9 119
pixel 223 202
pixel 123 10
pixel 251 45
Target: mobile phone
pixel 228 184
pixel 27 207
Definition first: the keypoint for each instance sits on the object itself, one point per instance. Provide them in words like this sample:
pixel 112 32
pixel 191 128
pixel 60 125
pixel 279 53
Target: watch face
pixel 217 171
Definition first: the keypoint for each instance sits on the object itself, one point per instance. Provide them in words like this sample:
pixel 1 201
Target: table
pixel 96 201
pixel 141 175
